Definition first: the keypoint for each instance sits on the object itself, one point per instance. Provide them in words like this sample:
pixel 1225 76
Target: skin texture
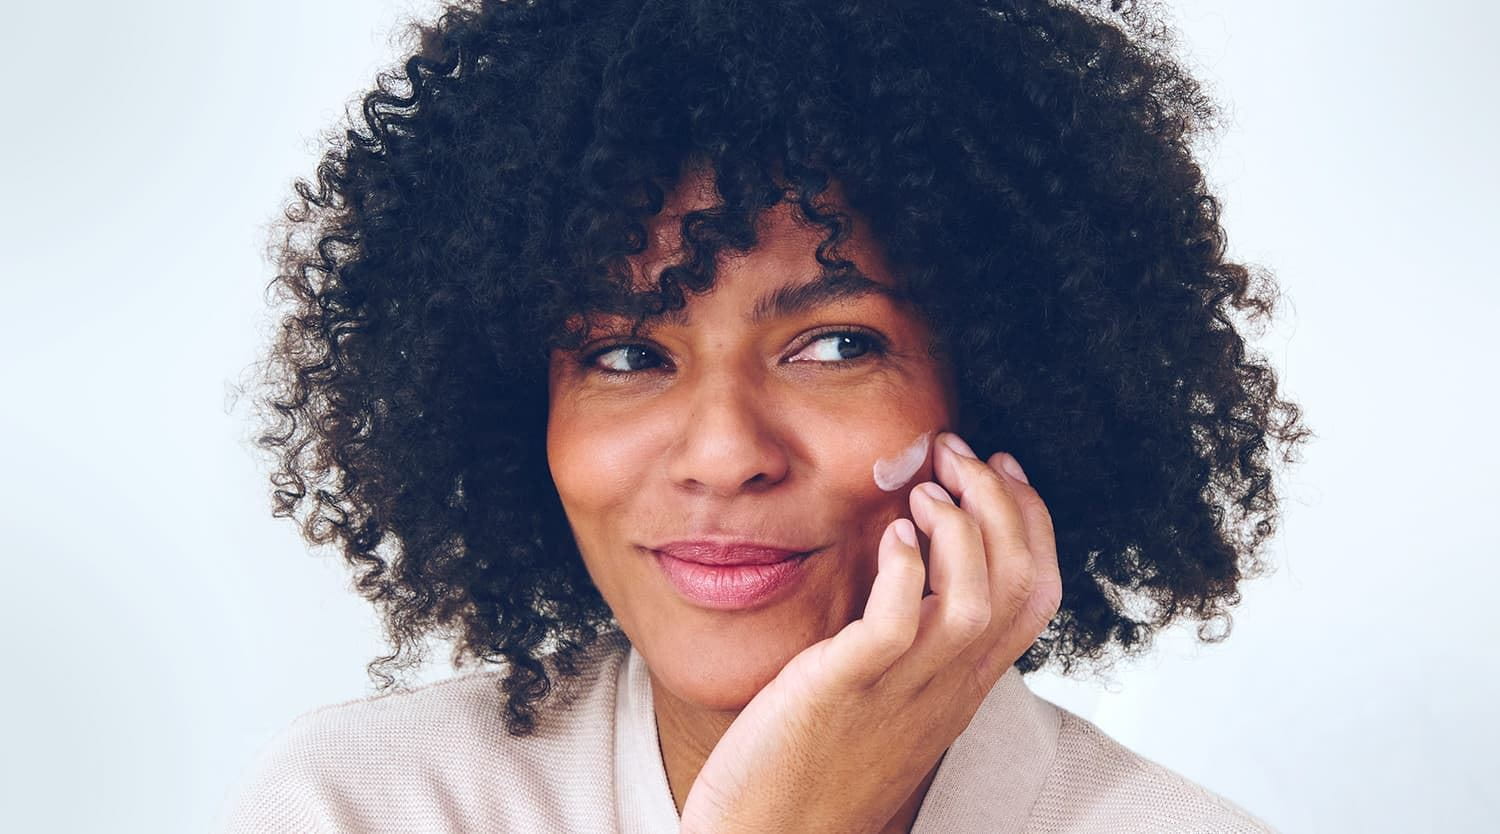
pixel 740 430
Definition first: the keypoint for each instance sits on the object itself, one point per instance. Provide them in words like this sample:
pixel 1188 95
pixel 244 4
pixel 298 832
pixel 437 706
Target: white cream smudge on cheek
pixel 895 472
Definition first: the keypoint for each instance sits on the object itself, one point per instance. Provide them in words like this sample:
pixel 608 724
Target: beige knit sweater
pixel 437 759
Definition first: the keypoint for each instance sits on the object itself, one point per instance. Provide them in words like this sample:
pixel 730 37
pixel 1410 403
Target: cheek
pixel 594 476
pixel 897 470
pixel 890 448
pixel 591 468
pixel 875 471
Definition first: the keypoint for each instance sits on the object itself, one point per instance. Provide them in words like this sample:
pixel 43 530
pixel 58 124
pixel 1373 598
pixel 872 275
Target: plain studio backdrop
pixel 162 626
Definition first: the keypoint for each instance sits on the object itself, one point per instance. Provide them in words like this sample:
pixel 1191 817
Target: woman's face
pixel 803 429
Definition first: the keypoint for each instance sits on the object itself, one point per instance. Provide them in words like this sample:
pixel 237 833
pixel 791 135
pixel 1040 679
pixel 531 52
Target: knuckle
pixel 1049 598
pixel 1041 610
pixel 1018 591
pixel 1037 509
pixel 970 619
pixel 1038 615
pixel 987 481
pixel 1015 545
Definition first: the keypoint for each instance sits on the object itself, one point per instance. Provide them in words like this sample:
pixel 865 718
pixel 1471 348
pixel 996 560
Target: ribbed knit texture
pixel 437 759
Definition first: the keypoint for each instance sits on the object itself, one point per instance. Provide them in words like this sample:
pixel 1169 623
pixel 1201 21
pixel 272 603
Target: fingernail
pixel 906 532
pixel 935 492
pixel 1011 465
pixel 957 444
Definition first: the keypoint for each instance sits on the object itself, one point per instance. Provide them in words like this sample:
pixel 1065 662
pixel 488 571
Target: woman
pixel 642 350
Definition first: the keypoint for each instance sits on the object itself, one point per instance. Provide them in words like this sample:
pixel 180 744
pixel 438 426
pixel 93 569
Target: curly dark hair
pixel 1027 165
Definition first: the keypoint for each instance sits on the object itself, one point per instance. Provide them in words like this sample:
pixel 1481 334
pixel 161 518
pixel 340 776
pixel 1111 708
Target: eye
pixel 625 354
pixel 847 347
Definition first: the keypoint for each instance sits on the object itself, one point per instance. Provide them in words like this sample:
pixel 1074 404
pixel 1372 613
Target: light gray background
pixel 161 626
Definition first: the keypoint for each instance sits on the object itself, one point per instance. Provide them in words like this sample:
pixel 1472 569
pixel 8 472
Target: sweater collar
pixel 643 799
pixel 987 782
pixel 994 771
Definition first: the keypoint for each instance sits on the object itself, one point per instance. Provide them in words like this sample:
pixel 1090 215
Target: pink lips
pixel 727 553
pixel 728 577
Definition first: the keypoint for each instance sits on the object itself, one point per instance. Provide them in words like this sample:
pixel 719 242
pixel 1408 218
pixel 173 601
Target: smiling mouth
pixel 732 587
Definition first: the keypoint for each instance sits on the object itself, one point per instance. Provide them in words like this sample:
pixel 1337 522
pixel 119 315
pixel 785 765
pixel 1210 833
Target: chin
pixel 721 695
pixel 725 675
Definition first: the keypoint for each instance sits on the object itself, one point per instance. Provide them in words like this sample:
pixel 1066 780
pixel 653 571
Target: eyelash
pixel 875 348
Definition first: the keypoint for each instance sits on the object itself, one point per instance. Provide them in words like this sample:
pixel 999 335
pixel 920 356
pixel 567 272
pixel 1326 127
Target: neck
pixel 687 734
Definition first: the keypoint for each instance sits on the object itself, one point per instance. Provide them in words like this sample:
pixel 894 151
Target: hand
pixel 849 728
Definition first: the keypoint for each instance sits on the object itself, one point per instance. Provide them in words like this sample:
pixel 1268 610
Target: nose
pixel 730 439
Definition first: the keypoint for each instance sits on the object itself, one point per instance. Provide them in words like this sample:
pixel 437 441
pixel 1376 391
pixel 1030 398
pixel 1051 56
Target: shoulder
pixel 433 758
pixel 1098 784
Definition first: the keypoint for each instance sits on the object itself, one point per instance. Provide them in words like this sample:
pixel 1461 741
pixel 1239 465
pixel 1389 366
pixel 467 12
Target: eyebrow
pixel 797 298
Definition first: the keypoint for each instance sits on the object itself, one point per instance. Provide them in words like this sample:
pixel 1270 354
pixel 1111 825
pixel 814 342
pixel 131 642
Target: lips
pixel 732 586
pixel 727 553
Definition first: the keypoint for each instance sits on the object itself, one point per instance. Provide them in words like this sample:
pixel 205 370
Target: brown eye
pixel 628 355
pixel 842 346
